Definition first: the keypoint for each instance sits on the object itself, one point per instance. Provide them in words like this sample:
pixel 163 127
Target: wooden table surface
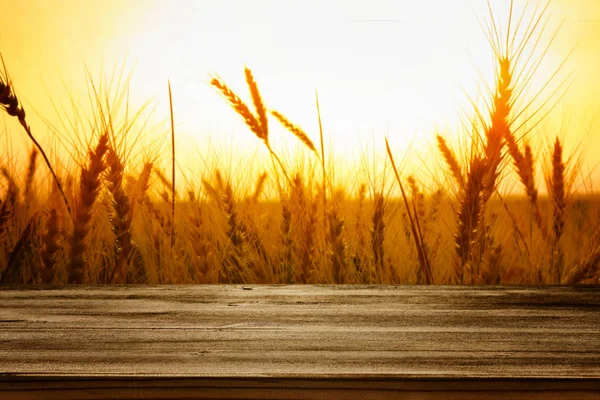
pixel 300 342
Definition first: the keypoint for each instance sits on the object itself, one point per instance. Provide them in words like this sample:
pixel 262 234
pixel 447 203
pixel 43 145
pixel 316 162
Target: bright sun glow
pixel 404 69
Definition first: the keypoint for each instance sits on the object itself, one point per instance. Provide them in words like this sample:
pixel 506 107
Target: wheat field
pixel 106 221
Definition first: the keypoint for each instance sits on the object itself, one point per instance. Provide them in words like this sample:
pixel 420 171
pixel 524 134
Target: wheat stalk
pixel 144 180
pixel 468 218
pixel 259 187
pixel 172 171
pixel 451 161
pixel 358 258
pixel 89 186
pixel 51 247
pixel 237 257
pixel 10 201
pixel 10 104
pixel 525 169
pixel 295 130
pixel 31 168
pixel 423 260
pixel 338 245
pixel 557 192
pixel 121 222
pixel 585 271
pixel 241 108
pixel 287 268
pixel 307 256
pixel 499 128
pixel 249 118
pixel 378 234
pixel 259 106
pixel 419 215
pixel 14 273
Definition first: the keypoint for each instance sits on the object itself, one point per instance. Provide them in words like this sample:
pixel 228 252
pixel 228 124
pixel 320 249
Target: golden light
pixel 398 68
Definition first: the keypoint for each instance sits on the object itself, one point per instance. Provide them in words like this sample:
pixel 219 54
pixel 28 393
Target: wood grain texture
pixel 299 342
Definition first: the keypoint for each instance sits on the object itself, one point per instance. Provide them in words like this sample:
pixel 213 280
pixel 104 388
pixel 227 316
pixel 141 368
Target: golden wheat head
pixel 295 130
pixel 241 108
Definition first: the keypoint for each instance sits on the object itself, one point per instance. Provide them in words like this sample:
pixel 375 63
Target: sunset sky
pixel 383 67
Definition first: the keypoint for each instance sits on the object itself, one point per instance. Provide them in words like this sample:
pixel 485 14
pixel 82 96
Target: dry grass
pixel 294 225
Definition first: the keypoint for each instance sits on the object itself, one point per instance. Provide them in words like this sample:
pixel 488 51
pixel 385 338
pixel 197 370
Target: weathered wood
pixel 300 342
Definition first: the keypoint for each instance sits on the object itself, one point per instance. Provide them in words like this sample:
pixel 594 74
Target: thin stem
pixel 417 238
pixel 274 156
pixel 58 185
pixel 173 168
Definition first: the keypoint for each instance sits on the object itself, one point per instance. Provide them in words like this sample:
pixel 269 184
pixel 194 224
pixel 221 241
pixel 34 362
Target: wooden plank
pixel 300 342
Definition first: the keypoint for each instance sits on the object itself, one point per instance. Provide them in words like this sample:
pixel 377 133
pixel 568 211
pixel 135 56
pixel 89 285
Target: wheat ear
pixel 557 191
pixel 259 106
pixel 451 161
pixel 525 169
pixel 468 218
pixel 121 222
pixel 249 118
pixel 241 108
pixel 89 187
pixel 295 130
pixel 499 128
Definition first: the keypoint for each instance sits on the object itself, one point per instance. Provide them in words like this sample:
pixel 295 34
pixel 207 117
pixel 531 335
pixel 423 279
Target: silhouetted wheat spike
pixel 121 222
pixel 89 187
pixel 10 103
pixel 469 215
pixel 557 191
pixel 451 161
pixel 295 130
pixel 525 169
